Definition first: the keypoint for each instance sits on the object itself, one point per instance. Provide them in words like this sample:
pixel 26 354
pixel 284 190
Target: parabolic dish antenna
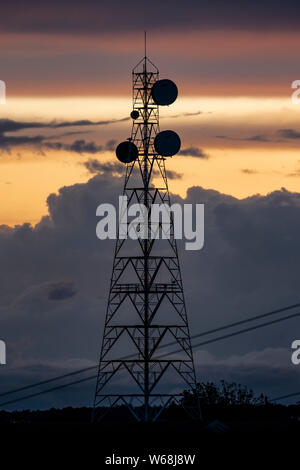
pixel 127 152
pixel 134 114
pixel 164 92
pixel 167 143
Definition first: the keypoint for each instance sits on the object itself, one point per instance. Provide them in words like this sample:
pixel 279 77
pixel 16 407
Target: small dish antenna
pixel 134 114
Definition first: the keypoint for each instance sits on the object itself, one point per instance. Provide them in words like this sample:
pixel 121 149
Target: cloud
pixel 288 133
pixel 193 152
pixel 7 142
pixel 85 122
pixel 62 290
pixel 197 113
pixel 251 258
pixel 248 171
pixel 42 143
pixel 78 146
pixel 95 166
pixel 258 138
pixel 9 125
pixel 252 138
pixel 174 175
pixel 264 15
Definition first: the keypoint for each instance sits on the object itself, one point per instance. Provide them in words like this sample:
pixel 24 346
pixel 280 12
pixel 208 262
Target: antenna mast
pixel 146 305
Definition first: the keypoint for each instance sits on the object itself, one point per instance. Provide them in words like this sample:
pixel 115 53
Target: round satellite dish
pixel 167 143
pixel 127 152
pixel 134 114
pixel 164 92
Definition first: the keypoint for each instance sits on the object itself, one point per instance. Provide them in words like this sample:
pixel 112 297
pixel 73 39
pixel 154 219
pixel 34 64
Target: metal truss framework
pixel 146 296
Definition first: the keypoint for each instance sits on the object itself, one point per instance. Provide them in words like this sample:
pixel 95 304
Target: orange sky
pixel 235 166
pixel 234 103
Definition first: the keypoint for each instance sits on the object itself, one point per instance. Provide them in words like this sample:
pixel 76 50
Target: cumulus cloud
pixel 249 265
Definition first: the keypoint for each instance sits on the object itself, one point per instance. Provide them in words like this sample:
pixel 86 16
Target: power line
pixel 241 322
pixel 26 387
pixel 48 390
pixel 198 335
pixel 282 397
pixel 166 354
pixel 238 332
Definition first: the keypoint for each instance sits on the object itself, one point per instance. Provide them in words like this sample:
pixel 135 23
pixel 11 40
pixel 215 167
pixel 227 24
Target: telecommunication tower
pixel 146 306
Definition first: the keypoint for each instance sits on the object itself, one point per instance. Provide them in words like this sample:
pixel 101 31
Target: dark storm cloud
pixel 193 152
pixel 249 265
pixel 92 16
pixel 62 290
pixel 250 258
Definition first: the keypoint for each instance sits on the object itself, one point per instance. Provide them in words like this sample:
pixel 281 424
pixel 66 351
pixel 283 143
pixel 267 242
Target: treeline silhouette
pixel 223 401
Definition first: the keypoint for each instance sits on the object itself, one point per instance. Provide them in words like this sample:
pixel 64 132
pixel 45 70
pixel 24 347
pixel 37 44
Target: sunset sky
pixel 66 61
pixel 67 67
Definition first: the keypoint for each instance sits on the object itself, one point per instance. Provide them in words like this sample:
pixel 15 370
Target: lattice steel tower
pixel 146 306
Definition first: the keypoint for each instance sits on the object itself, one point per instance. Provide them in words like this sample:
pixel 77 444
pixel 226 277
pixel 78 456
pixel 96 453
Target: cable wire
pixel 198 335
pixel 166 354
